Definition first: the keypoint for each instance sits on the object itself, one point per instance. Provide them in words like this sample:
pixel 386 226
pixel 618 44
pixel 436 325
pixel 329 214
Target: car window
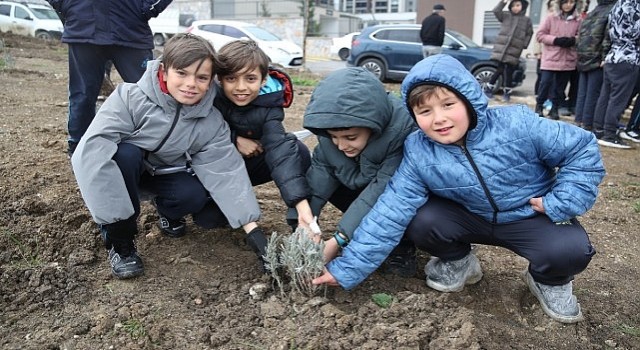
pixel 233 32
pixel 44 13
pixel 403 35
pixel 463 39
pixel 5 10
pixel 262 34
pixel 213 28
pixel 21 13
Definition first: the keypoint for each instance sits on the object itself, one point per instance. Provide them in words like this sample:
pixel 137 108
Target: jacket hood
pixel 347 98
pixel 444 70
pixel 277 92
pixel 525 5
pixel 150 85
pixel 577 9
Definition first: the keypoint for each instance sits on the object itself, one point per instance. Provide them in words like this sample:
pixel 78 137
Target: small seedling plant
pixel 295 260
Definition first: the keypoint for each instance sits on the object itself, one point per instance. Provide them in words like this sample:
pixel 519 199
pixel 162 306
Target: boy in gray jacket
pixel 165 121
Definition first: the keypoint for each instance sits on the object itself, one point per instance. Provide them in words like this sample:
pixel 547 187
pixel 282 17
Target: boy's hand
pixel 536 204
pixel 248 147
pixel 308 221
pixel 325 278
pixel 331 249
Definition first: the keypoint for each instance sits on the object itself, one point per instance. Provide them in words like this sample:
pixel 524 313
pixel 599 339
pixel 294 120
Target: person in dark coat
pixel 621 71
pixel 251 97
pixel 591 54
pixel 432 31
pixel 98 31
pixel 515 34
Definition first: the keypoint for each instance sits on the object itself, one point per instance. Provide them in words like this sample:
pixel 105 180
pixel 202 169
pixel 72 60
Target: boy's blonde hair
pixel 242 55
pixel 184 49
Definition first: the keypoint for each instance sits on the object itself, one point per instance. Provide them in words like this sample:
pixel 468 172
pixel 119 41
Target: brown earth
pixel 57 292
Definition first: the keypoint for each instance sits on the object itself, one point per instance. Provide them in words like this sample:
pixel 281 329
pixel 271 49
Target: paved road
pixel 326 66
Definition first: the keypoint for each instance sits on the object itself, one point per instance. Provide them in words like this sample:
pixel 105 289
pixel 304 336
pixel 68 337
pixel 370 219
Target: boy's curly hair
pixel 242 55
pixel 184 49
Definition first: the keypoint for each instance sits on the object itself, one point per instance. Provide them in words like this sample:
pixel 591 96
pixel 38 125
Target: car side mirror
pixel 455 46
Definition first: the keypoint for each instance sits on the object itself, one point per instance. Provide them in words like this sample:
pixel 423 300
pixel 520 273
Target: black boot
pixel 258 243
pixel 553 113
pixel 540 110
pixel 123 255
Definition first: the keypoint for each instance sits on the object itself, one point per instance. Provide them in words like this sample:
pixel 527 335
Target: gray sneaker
pixel 452 276
pixel 558 302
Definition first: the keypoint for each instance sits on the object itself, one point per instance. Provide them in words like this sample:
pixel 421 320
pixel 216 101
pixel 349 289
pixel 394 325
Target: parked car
pixel 342 46
pixel 220 32
pixel 389 52
pixel 22 18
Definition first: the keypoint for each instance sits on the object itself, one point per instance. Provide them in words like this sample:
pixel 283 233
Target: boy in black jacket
pixel 252 97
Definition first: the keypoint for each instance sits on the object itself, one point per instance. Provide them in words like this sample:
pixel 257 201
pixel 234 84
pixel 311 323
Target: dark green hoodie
pixel 353 97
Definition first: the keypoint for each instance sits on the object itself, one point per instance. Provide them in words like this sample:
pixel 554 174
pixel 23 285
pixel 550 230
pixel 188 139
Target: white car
pixel 342 46
pixel 220 32
pixel 39 21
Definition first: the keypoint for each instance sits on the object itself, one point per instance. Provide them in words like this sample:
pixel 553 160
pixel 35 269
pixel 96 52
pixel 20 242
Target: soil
pixel 56 290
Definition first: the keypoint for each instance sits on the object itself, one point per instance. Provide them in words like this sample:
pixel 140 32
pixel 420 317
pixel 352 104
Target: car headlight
pixel 283 51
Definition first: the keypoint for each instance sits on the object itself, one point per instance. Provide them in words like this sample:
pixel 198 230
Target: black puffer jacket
pixel 262 120
pixel 515 33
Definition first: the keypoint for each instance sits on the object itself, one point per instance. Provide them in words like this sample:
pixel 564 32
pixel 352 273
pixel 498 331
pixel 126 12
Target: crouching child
pixel 471 174
pixel 164 121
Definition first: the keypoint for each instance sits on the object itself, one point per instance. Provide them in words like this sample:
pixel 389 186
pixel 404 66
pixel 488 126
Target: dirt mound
pixel 56 291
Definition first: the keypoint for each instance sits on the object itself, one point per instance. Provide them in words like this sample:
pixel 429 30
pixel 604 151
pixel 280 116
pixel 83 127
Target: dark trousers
pixel 342 198
pixel 571 97
pixel 556 252
pixel 506 71
pixel 176 195
pixel 589 85
pixel 86 72
pixel 553 83
pixel 634 121
pixel 617 87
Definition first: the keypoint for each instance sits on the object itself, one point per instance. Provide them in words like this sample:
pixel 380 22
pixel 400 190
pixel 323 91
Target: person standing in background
pixel 432 31
pixel 591 54
pixel 515 34
pixel 621 69
pixel 96 32
pixel 558 34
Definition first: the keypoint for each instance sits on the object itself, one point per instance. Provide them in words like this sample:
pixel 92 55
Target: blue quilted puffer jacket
pixel 510 156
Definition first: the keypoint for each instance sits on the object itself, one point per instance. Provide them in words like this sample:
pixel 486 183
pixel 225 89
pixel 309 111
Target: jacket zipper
pixel 482 183
pixel 173 126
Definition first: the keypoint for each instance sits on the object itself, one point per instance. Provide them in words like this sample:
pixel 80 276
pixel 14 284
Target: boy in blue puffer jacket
pixel 471 174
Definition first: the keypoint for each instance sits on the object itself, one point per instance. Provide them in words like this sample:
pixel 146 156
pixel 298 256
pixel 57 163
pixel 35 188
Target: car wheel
pixel 483 76
pixel 158 39
pixel 374 66
pixel 43 35
pixel 343 53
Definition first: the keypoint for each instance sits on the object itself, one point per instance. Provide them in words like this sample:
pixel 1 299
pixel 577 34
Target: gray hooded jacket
pixel 142 115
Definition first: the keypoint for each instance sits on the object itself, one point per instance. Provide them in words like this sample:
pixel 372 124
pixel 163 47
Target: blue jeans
pixel 589 85
pixel 618 80
pixel 556 252
pixel 86 72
